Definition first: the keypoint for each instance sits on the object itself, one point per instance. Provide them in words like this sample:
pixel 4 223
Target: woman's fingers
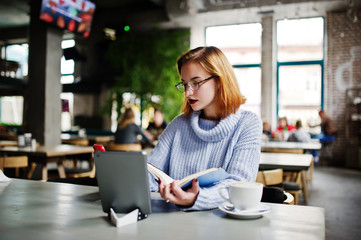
pixel 175 194
pixel 195 187
pixel 185 198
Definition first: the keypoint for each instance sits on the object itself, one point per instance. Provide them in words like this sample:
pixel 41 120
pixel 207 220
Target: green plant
pixel 146 63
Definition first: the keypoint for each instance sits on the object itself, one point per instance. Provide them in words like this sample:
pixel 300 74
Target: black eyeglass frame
pixel 178 85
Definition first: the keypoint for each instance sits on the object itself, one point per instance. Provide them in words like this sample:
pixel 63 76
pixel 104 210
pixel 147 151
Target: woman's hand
pixel 175 194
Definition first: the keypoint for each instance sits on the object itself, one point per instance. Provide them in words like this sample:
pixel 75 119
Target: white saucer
pixel 246 214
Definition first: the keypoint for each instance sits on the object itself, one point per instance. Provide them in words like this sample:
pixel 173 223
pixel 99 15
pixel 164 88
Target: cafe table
pixel 289 162
pixel 47 210
pixel 286 161
pixel 43 155
pixel 281 146
pixel 8 143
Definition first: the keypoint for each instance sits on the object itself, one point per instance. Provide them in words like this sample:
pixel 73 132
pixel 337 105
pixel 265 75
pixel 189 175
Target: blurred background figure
pixel 267 131
pixel 283 125
pixel 328 129
pixel 283 129
pixel 327 136
pixel 158 125
pixel 299 135
pixel 127 131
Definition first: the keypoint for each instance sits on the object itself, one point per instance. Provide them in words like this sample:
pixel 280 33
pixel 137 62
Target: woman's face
pixel 158 118
pixel 282 122
pixel 204 97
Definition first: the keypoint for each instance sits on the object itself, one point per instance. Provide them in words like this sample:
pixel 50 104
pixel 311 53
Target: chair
pixel 277 150
pixel 124 147
pixel 77 141
pixel 275 178
pixel 80 173
pixel 16 162
pixel 310 170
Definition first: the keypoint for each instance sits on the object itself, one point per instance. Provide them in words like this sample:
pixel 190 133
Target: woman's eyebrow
pixel 193 78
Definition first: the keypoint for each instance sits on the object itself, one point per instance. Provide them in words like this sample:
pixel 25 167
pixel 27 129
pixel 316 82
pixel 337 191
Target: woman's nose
pixel 188 91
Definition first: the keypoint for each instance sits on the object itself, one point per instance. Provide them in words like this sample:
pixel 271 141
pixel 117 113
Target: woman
pixel 158 125
pixel 299 135
pixel 127 130
pixel 284 126
pixel 212 131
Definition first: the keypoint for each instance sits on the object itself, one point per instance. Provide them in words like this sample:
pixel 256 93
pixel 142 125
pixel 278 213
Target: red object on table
pixel 98 147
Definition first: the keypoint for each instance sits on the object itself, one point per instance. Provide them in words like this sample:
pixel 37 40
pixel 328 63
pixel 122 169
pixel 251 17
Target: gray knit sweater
pixel 192 144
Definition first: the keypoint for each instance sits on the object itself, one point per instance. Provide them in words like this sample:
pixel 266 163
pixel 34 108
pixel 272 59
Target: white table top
pixel 290 145
pixel 43 210
pixel 286 161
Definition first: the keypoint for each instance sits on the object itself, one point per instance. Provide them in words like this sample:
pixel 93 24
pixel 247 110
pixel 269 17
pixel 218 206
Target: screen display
pixel 73 15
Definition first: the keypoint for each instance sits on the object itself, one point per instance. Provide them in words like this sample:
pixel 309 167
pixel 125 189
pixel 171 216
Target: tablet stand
pixel 129 218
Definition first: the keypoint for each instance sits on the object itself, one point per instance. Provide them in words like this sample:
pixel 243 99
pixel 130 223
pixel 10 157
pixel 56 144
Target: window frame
pixel 239 66
pixel 321 63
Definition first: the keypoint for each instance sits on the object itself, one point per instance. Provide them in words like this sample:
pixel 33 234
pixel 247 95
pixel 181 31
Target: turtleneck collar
pixel 213 131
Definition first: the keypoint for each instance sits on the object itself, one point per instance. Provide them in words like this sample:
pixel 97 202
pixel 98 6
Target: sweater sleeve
pixel 243 165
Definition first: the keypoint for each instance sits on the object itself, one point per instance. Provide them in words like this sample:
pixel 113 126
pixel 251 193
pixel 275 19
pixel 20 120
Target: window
pixel 67 66
pixel 14 64
pixel 300 92
pixel 300 69
pixel 11 110
pixel 241 44
pixel 300 39
pixel 67 77
pixel 15 60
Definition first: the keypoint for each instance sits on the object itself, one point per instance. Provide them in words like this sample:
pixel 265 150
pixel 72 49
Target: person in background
pixel 212 131
pixel 283 125
pixel 127 131
pixel 299 135
pixel 327 136
pixel 328 128
pixel 158 125
pixel 267 131
pixel 284 129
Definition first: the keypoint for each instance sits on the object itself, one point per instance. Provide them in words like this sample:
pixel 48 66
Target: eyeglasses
pixel 194 86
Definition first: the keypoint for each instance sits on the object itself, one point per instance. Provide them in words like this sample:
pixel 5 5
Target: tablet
pixel 123 181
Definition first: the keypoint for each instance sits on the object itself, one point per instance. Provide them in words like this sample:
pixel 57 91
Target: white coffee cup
pixel 243 195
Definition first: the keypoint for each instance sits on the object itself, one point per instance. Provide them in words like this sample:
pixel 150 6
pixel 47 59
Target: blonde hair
pixel 127 117
pixel 213 60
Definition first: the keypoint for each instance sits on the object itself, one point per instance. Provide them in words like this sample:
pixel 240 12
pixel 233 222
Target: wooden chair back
pixel 77 142
pixel 80 173
pixel 110 147
pixel 277 150
pixel 124 147
pixel 14 162
pixel 270 177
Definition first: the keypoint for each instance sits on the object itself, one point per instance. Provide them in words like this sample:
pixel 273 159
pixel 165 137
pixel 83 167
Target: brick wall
pixel 342 71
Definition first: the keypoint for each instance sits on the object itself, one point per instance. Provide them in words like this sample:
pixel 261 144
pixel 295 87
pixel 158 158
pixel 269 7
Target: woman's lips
pixel 192 101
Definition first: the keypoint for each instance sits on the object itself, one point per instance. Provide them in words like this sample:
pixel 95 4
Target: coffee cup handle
pixel 221 191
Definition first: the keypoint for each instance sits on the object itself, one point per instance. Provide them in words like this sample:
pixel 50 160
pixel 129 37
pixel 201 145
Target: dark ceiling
pixel 15 13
